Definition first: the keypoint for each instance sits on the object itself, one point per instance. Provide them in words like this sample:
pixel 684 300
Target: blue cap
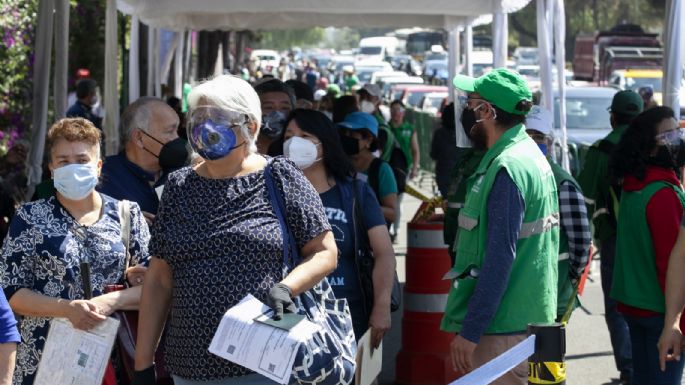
pixel 360 121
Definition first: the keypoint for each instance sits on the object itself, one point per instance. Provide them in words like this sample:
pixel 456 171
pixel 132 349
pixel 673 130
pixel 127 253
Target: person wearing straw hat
pixel 505 274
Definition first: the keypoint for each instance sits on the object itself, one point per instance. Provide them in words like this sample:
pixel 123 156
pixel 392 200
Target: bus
pixel 420 42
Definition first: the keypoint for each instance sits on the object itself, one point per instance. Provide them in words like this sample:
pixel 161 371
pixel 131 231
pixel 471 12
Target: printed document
pixel 369 360
pixel 76 357
pixel 268 350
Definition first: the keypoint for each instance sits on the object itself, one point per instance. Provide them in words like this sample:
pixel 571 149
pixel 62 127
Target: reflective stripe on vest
pixel 455 205
pixel 424 303
pixel 539 226
pixel 563 257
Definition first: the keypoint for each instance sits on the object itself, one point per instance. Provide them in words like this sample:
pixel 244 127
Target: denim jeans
pixel 618 328
pixel 644 335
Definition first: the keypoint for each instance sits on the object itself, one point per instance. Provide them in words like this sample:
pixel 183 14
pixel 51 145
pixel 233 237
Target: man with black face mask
pixel 278 99
pixel 152 149
pixel 505 273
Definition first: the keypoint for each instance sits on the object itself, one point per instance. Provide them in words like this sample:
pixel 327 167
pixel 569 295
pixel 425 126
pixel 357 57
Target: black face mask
pixel 273 124
pixel 670 156
pixel 350 145
pixel 468 120
pixel 173 155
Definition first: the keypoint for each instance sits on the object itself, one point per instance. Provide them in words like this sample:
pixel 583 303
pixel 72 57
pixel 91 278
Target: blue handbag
pixel 329 357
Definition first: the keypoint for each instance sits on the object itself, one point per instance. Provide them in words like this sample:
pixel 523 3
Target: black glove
pixel 279 298
pixel 144 377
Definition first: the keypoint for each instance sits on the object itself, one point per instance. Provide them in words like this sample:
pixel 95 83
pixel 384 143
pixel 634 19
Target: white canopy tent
pixel 182 15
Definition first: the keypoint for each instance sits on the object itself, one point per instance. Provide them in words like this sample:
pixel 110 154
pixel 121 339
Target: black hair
pixel 622 119
pixel 632 154
pixel 343 106
pixel 275 85
pixel 447 117
pixel 397 101
pixel 335 160
pixel 507 120
pixel 302 90
pixel 85 88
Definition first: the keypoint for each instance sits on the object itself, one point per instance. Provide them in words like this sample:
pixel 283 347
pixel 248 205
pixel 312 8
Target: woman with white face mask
pixel 53 242
pixel 313 144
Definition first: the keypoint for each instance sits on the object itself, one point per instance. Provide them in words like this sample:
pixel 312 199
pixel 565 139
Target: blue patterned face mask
pixel 211 132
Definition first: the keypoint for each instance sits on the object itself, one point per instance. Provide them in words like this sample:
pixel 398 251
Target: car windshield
pixel 636 83
pixel 531 72
pixel 435 56
pixel 266 57
pixel 585 113
pixel 436 66
pixel 414 97
pixel 397 94
pixel 435 102
pixel 370 50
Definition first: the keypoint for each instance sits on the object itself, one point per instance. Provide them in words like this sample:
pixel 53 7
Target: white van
pixel 377 48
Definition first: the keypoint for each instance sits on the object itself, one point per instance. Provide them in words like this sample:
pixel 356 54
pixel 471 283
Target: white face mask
pixel 75 181
pixel 301 151
pixel 367 106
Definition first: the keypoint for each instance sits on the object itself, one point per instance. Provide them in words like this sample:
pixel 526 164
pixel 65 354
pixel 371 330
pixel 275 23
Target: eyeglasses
pixel 471 105
pixel 218 115
pixel 672 136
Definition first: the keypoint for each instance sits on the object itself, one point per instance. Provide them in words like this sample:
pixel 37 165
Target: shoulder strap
pixel 374 172
pixel 358 222
pixel 290 254
pixel 124 207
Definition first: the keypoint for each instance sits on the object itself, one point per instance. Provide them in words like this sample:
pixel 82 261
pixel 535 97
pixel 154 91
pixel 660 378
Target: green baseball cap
pixel 501 87
pixel 627 102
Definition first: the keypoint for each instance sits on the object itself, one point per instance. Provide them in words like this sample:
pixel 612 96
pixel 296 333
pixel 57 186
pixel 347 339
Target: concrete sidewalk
pixel 588 355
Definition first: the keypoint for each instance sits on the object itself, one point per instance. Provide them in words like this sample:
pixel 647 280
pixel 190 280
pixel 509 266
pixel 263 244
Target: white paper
pixel 267 350
pixel 159 190
pixel 76 357
pixel 369 360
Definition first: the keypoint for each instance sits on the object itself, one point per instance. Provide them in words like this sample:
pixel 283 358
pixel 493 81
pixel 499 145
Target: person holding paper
pixel 312 142
pixel 216 238
pixel 49 241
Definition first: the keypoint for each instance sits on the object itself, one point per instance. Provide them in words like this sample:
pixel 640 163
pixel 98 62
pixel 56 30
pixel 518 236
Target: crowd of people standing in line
pixel 203 231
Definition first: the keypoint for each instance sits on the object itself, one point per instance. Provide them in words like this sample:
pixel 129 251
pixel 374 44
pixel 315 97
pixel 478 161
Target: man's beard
pixel 479 137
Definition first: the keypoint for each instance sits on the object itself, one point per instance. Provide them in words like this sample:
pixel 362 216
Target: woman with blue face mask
pixel 62 252
pixel 216 238
pixel 312 142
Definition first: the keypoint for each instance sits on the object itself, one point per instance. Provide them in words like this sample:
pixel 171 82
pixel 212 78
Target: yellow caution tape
pixel 546 373
pixel 427 207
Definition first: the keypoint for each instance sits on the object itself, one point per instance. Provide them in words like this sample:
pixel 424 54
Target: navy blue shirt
pixel 337 203
pixel 80 110
pixel 8 324
pixel 123 179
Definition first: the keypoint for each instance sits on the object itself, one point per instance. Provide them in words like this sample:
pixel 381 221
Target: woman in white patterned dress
pixel 49 239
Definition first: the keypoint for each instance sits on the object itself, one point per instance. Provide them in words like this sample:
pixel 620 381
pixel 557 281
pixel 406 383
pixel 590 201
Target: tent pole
pixel 134 61
pixel 61 57
pixel 500 31
pixel 111 94
pixel 546 88
pixel 560 52
pixel 673 66
pixel 468 49
pixel 41 83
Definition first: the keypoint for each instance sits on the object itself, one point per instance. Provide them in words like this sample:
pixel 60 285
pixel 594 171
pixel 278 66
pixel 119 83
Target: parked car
pixel 393 88
pixel 587 120
pixel 377 77
pixel 436 71
pixel 526 56
pixel 433 102
pixel 265 58
pixel 412 95
pixel 365 71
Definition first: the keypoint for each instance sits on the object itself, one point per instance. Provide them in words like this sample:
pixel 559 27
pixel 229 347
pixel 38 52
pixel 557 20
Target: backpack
pixel 397 159
pixel 374 181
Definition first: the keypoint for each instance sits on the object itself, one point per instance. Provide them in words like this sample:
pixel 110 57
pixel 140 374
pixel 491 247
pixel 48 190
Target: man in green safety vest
pixel 505 274
pixel 602 201
pixel 574 234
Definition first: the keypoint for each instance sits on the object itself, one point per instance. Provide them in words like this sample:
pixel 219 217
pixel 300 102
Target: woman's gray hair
pixel 230 93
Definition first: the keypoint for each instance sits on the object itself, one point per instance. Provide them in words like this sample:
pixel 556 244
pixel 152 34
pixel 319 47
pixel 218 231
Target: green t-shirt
pixel 403 134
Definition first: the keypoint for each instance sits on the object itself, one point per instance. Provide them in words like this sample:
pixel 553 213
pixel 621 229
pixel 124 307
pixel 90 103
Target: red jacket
pixel 664 215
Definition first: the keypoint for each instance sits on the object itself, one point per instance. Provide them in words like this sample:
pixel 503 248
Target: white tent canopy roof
pixel 299 14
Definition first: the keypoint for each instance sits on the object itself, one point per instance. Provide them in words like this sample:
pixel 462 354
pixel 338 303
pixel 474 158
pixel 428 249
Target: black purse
pixel 365 261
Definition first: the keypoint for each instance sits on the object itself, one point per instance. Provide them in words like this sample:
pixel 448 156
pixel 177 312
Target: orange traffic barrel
pixel 425 355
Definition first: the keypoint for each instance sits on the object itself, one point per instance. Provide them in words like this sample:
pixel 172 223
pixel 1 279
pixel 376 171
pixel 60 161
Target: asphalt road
pixel 588 356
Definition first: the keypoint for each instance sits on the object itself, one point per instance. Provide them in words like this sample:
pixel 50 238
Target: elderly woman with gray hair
pixel 216 238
